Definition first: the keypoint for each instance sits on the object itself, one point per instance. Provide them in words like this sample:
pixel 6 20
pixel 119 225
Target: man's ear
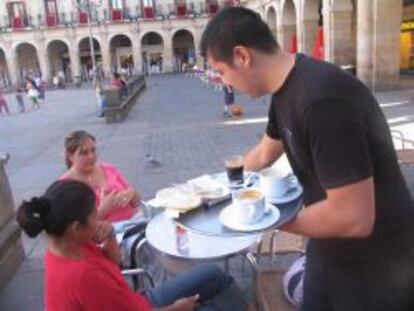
pixel 242 56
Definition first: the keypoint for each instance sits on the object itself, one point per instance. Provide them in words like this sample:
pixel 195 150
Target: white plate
pixel 269 219
pixel 289 196
pixel 208 188
pixel 175 199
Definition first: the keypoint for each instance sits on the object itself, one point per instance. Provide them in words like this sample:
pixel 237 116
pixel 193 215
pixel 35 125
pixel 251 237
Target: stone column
pixel 44 61
pixel 307 31
pixel 386 46
pixel 286 34
pixel 75 63
pixel 365 40
pixel 106 55
pixel 168 55
pixel 137 52
pixel 13 67
pixel 339 39
pixel 11 250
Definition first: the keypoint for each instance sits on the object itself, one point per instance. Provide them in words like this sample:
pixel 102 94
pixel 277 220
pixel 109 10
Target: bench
pixel 120 102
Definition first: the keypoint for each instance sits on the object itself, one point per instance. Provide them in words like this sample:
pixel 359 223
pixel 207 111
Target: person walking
pixel 228 100
pixel 32 92
pixel 358 211
pixel 20 100
pixel 3 104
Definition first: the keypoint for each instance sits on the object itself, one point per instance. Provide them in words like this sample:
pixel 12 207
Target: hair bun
pixel 32 215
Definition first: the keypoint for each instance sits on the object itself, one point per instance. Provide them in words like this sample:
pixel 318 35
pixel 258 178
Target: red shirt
pixel 89 284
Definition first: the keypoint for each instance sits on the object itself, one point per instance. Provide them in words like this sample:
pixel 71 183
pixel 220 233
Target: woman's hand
pixel 125 197
pixel 183 304
pixel 103 232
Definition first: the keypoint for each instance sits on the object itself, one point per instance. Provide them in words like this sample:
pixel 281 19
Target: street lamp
pixel 89 6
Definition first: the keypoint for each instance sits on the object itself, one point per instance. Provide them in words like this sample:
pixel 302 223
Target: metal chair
pixel 269 294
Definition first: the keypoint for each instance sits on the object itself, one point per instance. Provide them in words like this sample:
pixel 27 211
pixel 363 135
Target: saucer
pixel 267 220
pixel 289 196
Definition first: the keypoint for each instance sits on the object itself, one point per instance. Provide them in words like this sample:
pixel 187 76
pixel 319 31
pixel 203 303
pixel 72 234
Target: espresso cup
pixel 248 205
pixel 274 183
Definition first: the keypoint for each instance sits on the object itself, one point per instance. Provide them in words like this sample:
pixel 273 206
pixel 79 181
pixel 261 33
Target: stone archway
pixel 288 25
pixel 152 47
pixel 27 61
pixel 271 21
pixel 4 70
pixel 59 58
pixel 184 50
pixel 85 56
pixel 312 31
pixel 122 59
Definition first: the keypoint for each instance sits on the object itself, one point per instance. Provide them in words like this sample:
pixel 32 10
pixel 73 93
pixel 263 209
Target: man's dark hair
pixel 236 26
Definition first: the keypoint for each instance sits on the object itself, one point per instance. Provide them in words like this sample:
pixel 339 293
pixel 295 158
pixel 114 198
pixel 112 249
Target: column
pixel 75 63
pixel 44 65
pixel 339 40
pixel 365 40
pixel 307 31
pixel 13 67
pixel 286 34
pixel 136 51
pixel 168 55
pixel 386 46
pixel 106 55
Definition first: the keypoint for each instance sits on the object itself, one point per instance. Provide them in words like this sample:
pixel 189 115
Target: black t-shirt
pixel 334 134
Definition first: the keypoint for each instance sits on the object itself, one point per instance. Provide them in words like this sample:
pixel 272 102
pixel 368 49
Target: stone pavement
pixel 176 122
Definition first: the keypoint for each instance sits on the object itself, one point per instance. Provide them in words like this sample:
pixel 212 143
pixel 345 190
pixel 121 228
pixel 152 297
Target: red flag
pixel 294 44
pixel 318 50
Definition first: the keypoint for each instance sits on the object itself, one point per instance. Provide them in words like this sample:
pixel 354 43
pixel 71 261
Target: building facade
pixel 363 35
pixel 51 37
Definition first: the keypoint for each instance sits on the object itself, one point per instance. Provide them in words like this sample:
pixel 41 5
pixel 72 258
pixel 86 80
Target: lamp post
pixel 89 6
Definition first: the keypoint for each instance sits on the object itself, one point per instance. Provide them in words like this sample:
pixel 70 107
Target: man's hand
pixel 264 154
pixel 187 304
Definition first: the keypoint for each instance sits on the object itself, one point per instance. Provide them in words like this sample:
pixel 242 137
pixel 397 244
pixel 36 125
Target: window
pixel 117 4
pixel 17 13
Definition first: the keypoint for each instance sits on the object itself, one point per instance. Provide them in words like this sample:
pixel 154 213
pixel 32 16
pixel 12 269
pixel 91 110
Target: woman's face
pixel 84 158
pixel 87 231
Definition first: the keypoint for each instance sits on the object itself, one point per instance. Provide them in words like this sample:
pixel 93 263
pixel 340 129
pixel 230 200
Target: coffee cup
pixel 248 205
pixel 275 183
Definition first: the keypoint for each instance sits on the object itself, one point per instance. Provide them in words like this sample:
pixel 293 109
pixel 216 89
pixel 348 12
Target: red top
pixel 88 284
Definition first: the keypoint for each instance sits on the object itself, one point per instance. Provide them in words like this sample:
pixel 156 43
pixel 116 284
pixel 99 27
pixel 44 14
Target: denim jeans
pixel 207 281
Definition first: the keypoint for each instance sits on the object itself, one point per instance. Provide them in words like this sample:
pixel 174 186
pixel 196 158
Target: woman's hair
pixel 64 202
pixel 73 142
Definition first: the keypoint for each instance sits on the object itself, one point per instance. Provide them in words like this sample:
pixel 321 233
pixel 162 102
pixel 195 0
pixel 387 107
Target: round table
pixel 161 235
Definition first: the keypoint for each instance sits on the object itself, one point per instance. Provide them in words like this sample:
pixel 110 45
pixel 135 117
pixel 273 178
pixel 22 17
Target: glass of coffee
pixel 234 169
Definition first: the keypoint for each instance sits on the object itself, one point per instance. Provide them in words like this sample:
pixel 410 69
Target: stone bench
pixel 120 102
pixel 11 250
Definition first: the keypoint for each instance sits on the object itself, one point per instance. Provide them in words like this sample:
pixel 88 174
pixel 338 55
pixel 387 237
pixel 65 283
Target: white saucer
pixel 269 219
pixel 289 196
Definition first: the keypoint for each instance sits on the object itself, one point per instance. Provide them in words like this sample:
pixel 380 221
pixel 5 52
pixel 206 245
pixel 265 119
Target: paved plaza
pixel 175 122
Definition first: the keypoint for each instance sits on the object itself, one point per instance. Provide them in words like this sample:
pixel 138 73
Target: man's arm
pixel 348 211
pixel 264 154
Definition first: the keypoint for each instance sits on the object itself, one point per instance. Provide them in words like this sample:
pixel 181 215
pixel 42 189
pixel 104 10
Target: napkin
pixel 205 184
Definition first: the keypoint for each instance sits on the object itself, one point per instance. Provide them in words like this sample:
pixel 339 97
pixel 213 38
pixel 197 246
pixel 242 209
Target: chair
pixel 405 158
pixel 269 294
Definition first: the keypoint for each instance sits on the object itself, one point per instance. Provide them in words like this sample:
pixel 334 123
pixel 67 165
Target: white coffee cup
pixel 248 205
pixel 275 183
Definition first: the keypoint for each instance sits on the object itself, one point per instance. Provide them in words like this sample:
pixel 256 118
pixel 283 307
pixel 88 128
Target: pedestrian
pixel 359 213
pixel 20 100
pixel 3 104
pixel 228 100
pixel 32 92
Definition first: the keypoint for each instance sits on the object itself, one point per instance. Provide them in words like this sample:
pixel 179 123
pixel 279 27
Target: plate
pixel 178 200
pixel 208 188
pixel 268 219
pixel 289 196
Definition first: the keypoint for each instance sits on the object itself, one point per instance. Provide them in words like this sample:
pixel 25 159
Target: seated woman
pixel 81 263
pixel 116 199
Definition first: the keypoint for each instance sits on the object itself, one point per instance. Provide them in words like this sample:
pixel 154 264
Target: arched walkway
pixel 289 37
pixel 152 46
pixel 184 50
pixel 272 21
pixel 121 54
pixel 59 60
pixel 4 70
pixel 85 56
pixel 27 61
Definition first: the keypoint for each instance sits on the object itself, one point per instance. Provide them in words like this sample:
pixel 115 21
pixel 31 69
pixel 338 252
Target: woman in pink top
pixel 116 200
